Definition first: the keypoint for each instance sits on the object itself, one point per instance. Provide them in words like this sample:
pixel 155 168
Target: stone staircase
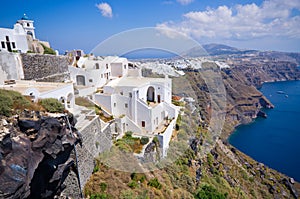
pixel 83 116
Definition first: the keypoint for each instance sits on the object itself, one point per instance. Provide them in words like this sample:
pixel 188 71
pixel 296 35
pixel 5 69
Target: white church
pixel 21 38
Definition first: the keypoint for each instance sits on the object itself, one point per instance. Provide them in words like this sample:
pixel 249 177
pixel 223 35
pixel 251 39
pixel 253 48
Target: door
pixel 158 98
pixel 8 47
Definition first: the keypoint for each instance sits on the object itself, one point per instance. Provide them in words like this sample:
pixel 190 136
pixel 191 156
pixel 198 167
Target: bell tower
pixel 27 24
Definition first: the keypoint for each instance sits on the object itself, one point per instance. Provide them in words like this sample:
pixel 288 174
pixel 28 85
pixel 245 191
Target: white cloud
pixel 105 9
pixel 242 22
pixel 185 2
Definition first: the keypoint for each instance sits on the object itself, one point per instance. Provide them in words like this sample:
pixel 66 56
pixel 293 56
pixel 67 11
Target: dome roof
pixel 25 17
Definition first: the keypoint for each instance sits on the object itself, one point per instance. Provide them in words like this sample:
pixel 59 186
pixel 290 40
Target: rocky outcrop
pixel 35 156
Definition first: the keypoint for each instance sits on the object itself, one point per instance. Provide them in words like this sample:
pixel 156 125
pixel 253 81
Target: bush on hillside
pixel 209 192
pixel 48 50
pixel 12 100
pixel 155 183
pixel 5 105
pixel 52 105
pixel 144 140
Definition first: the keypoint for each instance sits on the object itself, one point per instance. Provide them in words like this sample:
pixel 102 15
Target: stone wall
pixel 93 143
pixel 45 67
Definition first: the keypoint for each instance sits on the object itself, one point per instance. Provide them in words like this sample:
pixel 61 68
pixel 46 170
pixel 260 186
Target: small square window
pixel 126 105
pixel 90 80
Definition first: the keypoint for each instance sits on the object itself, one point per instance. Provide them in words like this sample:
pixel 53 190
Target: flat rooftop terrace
pixel 22 85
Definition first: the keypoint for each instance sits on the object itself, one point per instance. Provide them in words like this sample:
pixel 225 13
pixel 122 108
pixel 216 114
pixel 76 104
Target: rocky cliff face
pixel 269 71
pixel 35 156
pixel 244 100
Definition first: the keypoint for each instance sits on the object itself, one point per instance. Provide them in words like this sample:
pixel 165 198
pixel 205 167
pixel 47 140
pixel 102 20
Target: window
pixel 90 80
pixel 121 93
pixel 130 94
pixel 97 66
pixel 143 123
pixel 2 44
pixel 13 44
pixel 116 127
pixel 124 66
pixel 28 25
pixel 106 66
pixel 7 38
pixel 126 105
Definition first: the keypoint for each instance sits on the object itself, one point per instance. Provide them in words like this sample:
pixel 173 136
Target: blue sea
pixel 275 141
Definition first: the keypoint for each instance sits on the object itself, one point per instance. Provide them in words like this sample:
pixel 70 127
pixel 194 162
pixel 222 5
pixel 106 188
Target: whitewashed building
pixel 144 105
pixel 90 73
pixel 146 101
pixel 21 38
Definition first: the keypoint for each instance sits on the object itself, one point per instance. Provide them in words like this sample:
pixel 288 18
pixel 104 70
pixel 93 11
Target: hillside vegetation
pixel 12 102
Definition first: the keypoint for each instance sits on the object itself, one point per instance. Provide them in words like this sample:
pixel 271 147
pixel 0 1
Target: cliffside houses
pixel 139 104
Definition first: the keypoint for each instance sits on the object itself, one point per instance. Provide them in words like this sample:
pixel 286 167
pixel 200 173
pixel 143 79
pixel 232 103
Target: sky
pixel 83 24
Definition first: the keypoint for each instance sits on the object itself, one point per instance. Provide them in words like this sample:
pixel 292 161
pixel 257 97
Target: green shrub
pixel 132 184
pixel 155 140
pixel 6 104
pixel 155 183
pixel 48 50
pixel 138 177
pixel 127 194
pixel 12 100
pixel 98 196
pixel 144 140
pixel 52 105
pixel 103 186
pixel 96 168
pixel 128 134
pixel 209 192
pixel 210 159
